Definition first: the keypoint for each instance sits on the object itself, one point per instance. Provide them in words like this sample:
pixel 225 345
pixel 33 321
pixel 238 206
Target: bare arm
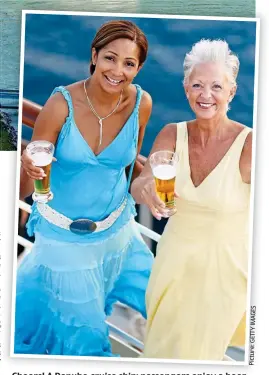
pixel 144 115
pixel 143 187
pixel 47 127
pixel 245 160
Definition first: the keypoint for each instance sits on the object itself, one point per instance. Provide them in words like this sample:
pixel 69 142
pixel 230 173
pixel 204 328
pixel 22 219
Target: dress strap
pixel 136 131
pixel 67 96
pixel 241 138
pixel 238 145
pixel 181 136
pixel 139 93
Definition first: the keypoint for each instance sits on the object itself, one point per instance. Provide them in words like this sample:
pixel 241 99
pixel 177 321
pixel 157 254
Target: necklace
pixel 100 119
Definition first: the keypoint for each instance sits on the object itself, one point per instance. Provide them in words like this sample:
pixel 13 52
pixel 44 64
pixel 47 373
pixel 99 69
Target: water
pixel 238 8
pixel 10 25
pixel 57 53
pixel 9 103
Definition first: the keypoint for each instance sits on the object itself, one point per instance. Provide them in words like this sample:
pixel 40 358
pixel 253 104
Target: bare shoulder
pixel 145 108
pixel 238 127
pixel 56 105
pixel 166 139
pixel 246 157
pixel 146 101
pixel 75 88
pixel 247 148
pixel 51 118
pixel 169 130
pixel 248 142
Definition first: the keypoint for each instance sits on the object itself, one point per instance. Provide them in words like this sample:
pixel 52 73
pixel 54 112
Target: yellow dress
pixel 197 294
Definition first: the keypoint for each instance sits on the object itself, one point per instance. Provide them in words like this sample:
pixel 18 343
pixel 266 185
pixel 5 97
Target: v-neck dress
pixel 67 284
pixel 197 293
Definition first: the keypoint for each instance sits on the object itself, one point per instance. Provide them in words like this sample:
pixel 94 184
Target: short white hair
pixel 207 50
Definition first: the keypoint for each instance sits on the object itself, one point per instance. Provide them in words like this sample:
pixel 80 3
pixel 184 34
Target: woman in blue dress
pixel 67 284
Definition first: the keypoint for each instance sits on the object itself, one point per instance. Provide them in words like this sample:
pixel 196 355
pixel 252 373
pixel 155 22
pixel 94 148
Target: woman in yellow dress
pixel 197 294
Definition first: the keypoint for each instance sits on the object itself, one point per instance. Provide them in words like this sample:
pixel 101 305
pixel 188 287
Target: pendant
pixel 101 131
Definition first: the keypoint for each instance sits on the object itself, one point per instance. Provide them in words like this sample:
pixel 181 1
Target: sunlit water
pixel 11 19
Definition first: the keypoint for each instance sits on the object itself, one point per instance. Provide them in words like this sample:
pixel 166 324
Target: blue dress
pixel 68 283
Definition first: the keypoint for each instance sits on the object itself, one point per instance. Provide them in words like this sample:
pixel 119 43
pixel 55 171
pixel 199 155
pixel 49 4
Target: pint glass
pixel 41 152
pixel 163 165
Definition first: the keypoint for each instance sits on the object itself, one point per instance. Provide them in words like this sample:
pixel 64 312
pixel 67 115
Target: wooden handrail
pixel 30 111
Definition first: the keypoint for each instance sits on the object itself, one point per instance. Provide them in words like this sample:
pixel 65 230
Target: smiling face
pixel 209 91
pixel 116 64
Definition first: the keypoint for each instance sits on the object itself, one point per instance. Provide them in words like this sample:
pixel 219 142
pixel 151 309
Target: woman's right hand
pixel 36 173
pixel 144 191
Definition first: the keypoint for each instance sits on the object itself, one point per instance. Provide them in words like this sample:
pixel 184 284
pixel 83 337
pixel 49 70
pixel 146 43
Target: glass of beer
pixel 41 152
pixel 164 165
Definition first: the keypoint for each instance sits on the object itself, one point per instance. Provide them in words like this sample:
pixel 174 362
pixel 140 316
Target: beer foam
pixel 164 171
pixel 41 159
